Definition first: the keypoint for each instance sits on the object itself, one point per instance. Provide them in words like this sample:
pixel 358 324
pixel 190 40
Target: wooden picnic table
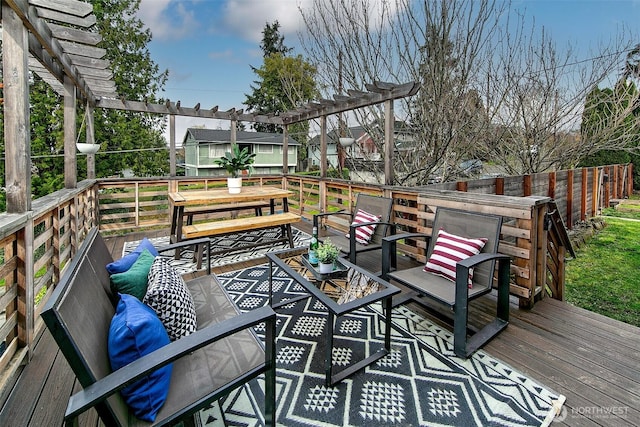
pixel 220 200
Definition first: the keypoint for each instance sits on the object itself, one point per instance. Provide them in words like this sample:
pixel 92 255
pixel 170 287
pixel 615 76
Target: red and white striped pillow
pixel 364 233
pixel 448 250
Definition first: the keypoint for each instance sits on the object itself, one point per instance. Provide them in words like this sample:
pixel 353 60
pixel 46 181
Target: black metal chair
pixel 457 296
pixel 381 207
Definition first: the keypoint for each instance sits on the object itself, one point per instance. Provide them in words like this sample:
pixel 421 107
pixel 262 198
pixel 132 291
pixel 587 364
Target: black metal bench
pixel 457 296
pixel 223 354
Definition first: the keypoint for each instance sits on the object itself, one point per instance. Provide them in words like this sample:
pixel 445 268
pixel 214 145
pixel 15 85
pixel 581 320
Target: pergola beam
pixel 45 40
pixel 378 93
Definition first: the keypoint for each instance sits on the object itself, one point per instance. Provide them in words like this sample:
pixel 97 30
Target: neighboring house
pixel 360 149
pixel 202 146
pixel 364 147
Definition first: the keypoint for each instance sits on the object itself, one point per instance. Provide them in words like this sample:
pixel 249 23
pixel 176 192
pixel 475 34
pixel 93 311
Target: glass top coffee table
pixel 347 289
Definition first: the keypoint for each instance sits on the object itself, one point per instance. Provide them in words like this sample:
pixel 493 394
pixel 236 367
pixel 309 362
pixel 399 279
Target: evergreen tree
pixel 272 40
pixel 138 136
pixel 284 83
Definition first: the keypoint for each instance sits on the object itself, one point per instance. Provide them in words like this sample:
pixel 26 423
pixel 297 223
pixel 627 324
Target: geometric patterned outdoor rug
pixel 420 382
pixel 229 242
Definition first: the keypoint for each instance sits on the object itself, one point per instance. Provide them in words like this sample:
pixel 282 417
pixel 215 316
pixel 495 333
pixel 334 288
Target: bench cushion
pixel 134 280
pixel 134 332
pixel 169 297
pixel 125 263
pixel 448 250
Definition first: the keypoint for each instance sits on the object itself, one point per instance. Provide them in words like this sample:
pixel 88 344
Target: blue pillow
pixel 125 263
pixel 136 331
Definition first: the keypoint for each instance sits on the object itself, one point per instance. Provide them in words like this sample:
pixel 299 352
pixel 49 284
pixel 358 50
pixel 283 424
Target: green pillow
pixel 134 280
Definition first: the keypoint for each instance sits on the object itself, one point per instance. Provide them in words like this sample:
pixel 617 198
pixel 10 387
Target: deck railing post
pixel 26 301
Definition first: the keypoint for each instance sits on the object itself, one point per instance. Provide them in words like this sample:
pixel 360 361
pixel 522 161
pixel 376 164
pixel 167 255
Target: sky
pixel 209 46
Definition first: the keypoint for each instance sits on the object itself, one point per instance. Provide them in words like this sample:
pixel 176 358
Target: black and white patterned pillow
pixel 168 296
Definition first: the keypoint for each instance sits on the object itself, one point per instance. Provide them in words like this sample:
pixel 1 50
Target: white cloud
pixel 168 19
pixel 248 17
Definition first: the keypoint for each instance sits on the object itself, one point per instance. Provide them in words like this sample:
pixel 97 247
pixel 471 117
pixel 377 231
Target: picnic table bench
pixel 237 225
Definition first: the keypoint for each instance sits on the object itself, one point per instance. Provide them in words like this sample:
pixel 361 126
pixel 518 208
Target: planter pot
pixel 234 185
pixel 325 268
pixel 346 142
pixel 87 148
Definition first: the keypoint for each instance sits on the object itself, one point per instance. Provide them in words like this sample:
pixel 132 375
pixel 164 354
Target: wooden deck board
pixel 591 359
pixel 19 410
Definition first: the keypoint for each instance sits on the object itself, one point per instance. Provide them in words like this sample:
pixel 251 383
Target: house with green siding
pixel 202 146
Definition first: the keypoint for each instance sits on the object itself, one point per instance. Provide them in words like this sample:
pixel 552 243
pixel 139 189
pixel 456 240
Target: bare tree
pixel 437 43
pixel 535 98
pixel 491 86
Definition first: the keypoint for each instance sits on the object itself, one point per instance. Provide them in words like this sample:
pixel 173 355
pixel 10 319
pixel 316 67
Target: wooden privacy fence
pixel 578 193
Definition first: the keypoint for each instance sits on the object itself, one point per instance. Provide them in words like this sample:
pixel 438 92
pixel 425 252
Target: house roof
pixel 224 136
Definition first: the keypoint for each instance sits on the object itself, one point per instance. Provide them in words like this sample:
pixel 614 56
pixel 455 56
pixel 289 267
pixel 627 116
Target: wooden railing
pixel 36 246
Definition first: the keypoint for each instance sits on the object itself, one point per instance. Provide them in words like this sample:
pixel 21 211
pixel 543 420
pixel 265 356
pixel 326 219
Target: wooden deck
pixel 593 360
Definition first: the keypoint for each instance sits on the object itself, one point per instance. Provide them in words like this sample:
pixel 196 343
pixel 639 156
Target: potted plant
pixel 327 254
pixel 235 162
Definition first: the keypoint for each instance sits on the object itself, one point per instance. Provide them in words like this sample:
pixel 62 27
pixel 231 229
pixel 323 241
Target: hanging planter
pixel 85 148
pixel 346 142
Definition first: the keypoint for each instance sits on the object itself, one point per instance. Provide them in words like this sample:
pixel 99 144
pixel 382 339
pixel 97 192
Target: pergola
pixel 44 36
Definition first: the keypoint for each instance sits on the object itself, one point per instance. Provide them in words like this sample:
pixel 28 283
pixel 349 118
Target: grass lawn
pixel 605 276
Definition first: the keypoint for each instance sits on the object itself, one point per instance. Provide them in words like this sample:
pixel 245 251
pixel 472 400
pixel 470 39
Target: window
pixel 265 149
pixel 289 150
pixel 216 150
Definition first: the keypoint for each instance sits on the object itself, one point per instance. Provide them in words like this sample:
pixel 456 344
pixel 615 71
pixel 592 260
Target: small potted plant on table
pixel 235 162
pixel 327 254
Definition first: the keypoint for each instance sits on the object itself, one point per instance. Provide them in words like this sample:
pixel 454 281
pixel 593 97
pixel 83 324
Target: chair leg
pixel 352 245
pixel 270 375
pixel 197 255
pixel 463 347
pixel 290 235
pixel 460 321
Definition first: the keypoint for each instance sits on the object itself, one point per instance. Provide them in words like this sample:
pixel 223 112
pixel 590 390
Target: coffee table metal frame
pixel 335 310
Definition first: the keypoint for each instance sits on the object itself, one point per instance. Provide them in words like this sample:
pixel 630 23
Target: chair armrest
pixel 340 212
pixel 389 256
pixel 463 266
pixel 475 260
pixel 194 242
pixel 462 273
pixel 112 383
pixel 183 243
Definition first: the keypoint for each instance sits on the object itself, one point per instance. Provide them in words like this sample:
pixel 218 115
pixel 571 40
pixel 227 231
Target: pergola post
pixel 91 139
pixel 15 46
pixel 172 145
pixel 70 164
pixel 388 142
pixel 323 147
pixel 285 149
pixel 233 131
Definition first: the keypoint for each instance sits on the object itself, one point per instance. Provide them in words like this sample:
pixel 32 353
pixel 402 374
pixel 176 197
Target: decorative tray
pixel 339 269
